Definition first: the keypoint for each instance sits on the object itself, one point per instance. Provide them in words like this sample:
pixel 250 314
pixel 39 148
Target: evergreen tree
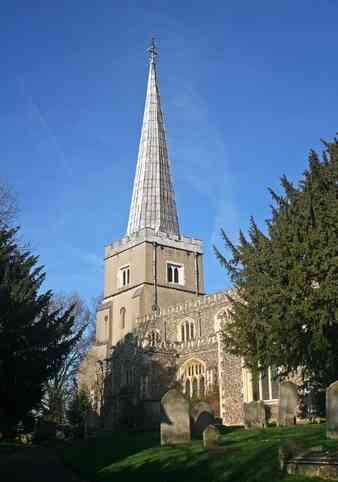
pixel 33 339
pixel 285 301
pixel 78 410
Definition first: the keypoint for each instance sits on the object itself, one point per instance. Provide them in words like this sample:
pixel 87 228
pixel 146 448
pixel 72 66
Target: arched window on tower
pixel 106 330
pixel 175 274
pixel 123 317
pixel 170 273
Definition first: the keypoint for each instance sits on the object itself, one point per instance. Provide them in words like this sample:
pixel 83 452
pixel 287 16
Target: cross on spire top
pixel 152 51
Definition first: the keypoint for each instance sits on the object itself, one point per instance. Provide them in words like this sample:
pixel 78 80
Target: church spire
pixel 153 201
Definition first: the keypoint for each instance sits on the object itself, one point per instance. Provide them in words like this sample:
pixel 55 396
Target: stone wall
pixel 143 366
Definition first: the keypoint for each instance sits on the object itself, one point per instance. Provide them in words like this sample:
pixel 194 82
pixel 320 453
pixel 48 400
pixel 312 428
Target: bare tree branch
pixel 8 204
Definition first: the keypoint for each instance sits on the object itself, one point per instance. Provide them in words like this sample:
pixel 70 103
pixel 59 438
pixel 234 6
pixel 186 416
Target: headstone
pixel 314 462
pixel 332 410
pixel 211 437
pixel 175 419
pixel 255 415
pixel 288 403
pixel 201 416
pixel 287 450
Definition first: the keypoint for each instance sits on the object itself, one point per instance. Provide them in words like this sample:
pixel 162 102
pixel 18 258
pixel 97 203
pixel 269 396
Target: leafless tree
pixel 60 389
pixel 8 204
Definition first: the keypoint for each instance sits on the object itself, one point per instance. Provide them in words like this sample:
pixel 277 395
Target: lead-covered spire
pixel 153 202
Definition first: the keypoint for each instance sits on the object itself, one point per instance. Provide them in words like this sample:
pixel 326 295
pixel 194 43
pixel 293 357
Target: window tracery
pixel 153 338
pixel 187 331
pixel 193 375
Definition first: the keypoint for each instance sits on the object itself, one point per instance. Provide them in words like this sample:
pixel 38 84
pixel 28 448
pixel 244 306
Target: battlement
pixel 184 308
pixel 152 236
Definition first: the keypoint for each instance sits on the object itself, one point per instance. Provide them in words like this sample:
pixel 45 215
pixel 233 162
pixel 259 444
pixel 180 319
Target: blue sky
pixel 247 89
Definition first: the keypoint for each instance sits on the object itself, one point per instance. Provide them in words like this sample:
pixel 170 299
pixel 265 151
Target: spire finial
pixel 152 51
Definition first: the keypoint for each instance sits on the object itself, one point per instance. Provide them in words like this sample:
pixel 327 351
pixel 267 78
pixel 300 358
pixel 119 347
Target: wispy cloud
pixel 203 160
pixel 44 126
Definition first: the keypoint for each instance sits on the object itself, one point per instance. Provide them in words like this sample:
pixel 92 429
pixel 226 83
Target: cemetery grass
pixel 244 456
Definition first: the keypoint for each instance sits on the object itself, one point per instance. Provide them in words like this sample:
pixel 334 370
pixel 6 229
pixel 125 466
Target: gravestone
pixel 175 419
pixel 255 415
pixel 211 437
pixel 332 410
pixel 288 403
pixel 201 416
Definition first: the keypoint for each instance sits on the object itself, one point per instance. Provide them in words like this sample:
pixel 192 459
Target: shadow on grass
pixel 244 456
pixel 88 457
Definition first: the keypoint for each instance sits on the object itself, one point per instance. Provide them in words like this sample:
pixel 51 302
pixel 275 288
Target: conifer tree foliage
pixel 79 408
pixel 33 339
pixel 285 297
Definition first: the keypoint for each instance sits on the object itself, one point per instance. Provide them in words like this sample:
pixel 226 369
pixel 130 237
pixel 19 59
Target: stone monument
pixel 332 410
pixel 288 403
pixel 211 437
pixel 175 419
pixel 201 416
pixel 255 415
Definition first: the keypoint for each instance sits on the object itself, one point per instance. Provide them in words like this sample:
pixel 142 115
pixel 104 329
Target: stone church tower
pixel 155 327
pixel 153 266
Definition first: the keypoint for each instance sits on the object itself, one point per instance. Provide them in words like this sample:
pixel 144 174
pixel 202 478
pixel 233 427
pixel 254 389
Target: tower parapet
pixel 152 236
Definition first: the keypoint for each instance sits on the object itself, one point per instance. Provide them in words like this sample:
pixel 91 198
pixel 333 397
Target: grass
pixel 244 456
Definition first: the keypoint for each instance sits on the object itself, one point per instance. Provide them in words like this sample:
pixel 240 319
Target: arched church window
pixel 192 334
pixel 187 388
pixel 106 326
pixel 202 387
pixel 187 332
pixel 194 388
pixel 192 373
pixel 123 317
pixel 154 338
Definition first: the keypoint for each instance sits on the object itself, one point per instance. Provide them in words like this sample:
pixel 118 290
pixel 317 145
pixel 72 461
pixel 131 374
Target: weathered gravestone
pixel 255 415
pixel 332 410
pixel 288 403
pixel 175 419
pixel 211 437
pixel 201 416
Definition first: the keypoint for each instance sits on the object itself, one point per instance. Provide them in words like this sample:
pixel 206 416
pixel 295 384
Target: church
pixel 156 328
